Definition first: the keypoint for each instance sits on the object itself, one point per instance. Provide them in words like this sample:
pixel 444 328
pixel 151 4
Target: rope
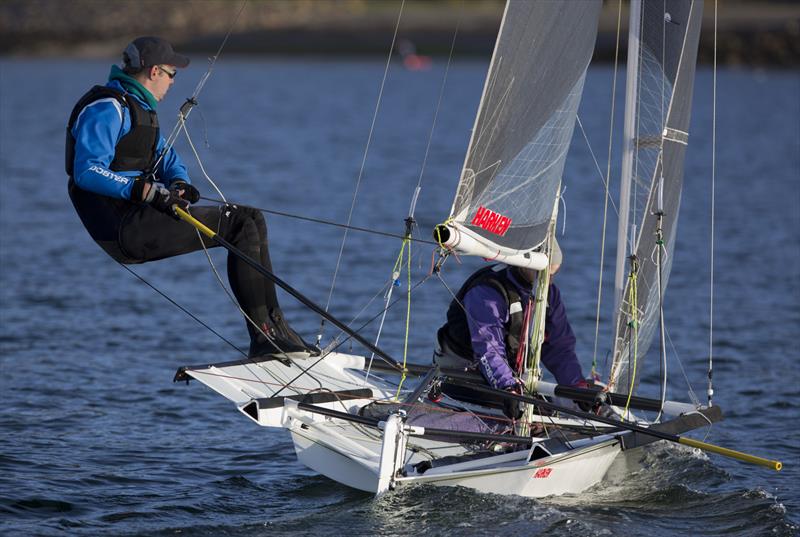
pixel 633 298
pixel 603 179
pixel 199 161
pixel 363 164
pixel 199 321
pixel 710 390
pixel 235 302
pixel 191 102
pixel 345 340
pixel 439 102
pixel 408 319
pixel 690 391
pixel 320 221
pixel 184 310
pixel 607 197
pixel 393 282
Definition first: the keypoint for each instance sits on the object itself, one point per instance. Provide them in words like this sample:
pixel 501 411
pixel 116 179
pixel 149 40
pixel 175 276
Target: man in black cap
pixel 124 181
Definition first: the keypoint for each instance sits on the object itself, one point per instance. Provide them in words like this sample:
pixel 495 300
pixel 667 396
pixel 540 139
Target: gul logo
pixel 542 473
pixel 491 221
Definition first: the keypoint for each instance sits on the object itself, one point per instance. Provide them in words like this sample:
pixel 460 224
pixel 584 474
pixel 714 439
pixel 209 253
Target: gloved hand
pixel 512 408
pixel 587 406
pixel 164 199
pixel 184 190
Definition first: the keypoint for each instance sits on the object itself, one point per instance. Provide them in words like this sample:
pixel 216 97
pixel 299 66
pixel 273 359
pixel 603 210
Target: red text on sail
pixel 491 221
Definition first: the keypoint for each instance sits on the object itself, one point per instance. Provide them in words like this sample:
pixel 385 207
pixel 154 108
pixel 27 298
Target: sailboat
pixel 348 419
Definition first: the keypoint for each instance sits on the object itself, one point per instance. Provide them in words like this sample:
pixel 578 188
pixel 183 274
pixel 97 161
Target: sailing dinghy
pixel 351 422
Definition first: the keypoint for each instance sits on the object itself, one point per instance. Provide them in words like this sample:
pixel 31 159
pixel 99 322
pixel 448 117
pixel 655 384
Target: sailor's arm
pixel 486 313
pixel 171 167
pixel 558 350
pixel 96 131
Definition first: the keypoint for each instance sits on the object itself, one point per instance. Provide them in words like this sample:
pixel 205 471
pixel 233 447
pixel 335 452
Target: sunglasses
pixel 170 74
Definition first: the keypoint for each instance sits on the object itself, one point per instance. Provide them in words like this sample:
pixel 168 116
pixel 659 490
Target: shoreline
pixel 749 33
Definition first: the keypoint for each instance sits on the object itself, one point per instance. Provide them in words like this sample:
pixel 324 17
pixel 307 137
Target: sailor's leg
pixel 148 235
pixel 246 229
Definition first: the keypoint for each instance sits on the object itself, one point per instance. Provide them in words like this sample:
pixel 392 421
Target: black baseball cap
pixel 149 51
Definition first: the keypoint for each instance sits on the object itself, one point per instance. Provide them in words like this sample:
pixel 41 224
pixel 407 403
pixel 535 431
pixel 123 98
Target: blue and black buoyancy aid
pixel 455 333
pixel 137 150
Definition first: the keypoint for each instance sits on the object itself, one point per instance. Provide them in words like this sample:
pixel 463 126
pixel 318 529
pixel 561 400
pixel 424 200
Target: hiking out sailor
pixel 124 181
pixel 484 324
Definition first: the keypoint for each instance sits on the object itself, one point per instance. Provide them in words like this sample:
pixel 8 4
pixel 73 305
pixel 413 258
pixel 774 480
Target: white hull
pixel 510 474
pixel 353 454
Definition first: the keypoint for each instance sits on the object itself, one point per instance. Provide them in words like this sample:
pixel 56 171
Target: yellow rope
pixel 438 233
pixel 633 298
pixel 397 267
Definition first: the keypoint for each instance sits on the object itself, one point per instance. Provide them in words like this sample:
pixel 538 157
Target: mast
pixel 661 63
pixel 628 148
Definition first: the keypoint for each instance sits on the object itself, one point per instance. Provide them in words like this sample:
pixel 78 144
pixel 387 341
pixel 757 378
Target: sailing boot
pixel 282 339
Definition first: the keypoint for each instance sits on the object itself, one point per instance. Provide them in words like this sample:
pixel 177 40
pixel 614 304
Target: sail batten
pixel 524 124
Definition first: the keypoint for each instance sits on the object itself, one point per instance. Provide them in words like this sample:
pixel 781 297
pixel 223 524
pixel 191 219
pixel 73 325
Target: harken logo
pixel 491 221
pixel 542 473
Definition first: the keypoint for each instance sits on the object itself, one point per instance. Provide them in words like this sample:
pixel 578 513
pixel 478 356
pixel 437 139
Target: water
pixel 97 440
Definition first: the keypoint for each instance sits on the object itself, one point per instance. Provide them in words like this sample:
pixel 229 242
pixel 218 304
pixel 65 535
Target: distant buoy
pixel 414 62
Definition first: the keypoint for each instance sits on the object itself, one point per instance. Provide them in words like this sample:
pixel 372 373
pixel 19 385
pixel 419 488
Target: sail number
pixel 542 473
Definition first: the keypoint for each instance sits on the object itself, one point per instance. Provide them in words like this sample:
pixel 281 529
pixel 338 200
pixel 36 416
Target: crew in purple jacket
pixel 484 323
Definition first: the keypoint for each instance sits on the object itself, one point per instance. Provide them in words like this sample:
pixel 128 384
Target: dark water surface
pixel 96 439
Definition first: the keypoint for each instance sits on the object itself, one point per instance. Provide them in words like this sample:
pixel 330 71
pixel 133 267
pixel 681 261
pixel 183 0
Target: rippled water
pixel 97 440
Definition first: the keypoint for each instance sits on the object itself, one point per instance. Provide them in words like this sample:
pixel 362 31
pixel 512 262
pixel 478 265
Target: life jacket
pixel 137 149
pixel 455 333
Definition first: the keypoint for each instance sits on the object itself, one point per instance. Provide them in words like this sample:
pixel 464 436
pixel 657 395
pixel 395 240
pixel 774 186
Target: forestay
pixel 524 124
pixel 669 36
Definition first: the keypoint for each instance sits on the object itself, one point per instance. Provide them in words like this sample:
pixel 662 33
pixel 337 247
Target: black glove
pixel 512 408
pixel 184 190
pixel 164 199
pixel 589 406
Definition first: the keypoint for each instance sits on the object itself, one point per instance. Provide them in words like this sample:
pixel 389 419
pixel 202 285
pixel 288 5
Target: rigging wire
pixel 180 126
pixel 607 196
pixel 603 178
pixel 320 221
pixel 659 214
pixel 345 340
pixel 363 165
pixel 710 390
pixel 249 320
pixel 439 102
pixel 191 102
pixel 183 309
pixel 690 391
pixel 206 326
pixel 411 222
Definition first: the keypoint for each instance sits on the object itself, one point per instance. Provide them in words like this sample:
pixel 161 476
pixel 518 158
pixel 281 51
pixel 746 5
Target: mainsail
pixel 666 63
pixel 524 125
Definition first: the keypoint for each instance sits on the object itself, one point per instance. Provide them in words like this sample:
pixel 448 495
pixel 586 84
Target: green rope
pixel 398 265
pixel 633 298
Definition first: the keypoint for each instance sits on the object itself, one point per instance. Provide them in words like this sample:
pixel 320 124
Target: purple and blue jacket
pixel 487 314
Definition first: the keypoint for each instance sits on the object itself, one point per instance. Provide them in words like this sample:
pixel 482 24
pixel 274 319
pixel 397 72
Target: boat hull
pixel 357 465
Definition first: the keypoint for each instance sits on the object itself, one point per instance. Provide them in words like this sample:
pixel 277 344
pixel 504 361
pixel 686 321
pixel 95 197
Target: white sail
pixel 669 34
pixel 524 126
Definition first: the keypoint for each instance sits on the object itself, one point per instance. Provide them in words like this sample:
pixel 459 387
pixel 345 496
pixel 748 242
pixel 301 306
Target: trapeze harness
pixel 137 150
pixel 455 333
